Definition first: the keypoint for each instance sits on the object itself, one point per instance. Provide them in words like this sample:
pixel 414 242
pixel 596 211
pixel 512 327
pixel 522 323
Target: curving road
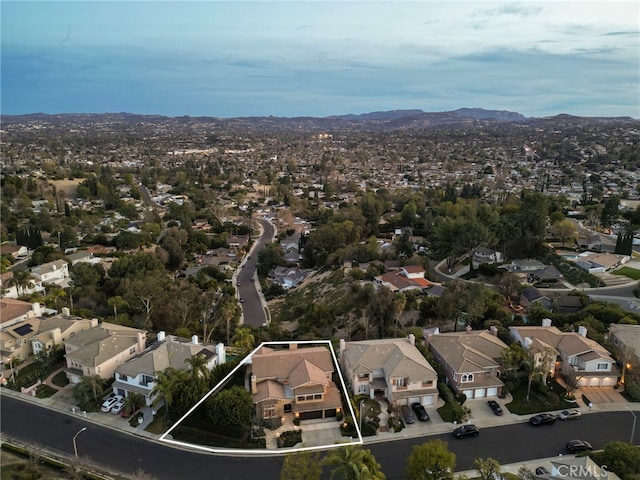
pixel 117 452
pixel 253 308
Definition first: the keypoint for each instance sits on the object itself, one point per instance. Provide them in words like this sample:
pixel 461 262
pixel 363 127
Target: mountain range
pixel 382 120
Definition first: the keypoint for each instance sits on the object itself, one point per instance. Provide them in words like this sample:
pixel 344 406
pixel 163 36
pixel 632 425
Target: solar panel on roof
pixel 23 329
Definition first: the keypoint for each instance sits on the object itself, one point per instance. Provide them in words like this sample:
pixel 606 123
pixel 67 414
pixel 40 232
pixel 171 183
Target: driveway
pixel 599 395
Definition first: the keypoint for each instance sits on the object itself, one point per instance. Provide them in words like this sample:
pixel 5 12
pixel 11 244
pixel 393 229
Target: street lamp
pixel 633 428
pixel 75 448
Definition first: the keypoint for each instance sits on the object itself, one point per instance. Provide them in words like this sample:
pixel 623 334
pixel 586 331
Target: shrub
pixel 462 398
pixel 296 421
pixel 633 390
pixel 445 392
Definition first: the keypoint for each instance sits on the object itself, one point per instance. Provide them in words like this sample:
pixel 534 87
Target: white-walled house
pixel 51 272
pixel 138 374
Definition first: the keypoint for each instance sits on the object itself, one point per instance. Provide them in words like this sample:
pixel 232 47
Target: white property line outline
pixel 259 451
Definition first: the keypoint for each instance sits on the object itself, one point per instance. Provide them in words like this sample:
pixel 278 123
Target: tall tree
pixel 488 468
pixel 431 461
pixel 301 466
pixel 353 463
pixel 89 387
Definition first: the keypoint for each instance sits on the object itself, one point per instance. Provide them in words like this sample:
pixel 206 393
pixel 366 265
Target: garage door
pixel 427 399
pixel 607 382
pixel 468 393
pixel 492 392
pixel 481 393
pixel 594 382
pixel 583 382
pixel 414 400
pixel 310 415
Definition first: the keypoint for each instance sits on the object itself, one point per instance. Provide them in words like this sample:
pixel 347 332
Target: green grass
pixel 537 401
pixel 632 273
pixel 45 391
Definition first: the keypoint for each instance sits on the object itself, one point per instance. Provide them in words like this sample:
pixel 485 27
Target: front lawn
pixel 538 402
pixel 632 273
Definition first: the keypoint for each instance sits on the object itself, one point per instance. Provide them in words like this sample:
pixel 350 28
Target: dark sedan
pixel 495 407
pixel 420 411
pixel 468 430
pixel 542 419
pixel 577 446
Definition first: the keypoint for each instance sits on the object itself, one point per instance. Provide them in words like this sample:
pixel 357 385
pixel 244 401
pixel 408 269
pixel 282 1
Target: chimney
pixel 254 386
pixel 527 342
pixel 194 339
pixel 221 353
pixel 412 339
pixel 468 329
pixel 66 311
pixel 35 307
pixel 546 322
pixel 343 345
pixel 161 335
pixel 582 331
pixel 494 330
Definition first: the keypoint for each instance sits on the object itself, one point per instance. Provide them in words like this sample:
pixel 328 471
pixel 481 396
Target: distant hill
pixel 382 120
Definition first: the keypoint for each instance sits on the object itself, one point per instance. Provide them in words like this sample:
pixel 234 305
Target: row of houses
pixel 305 380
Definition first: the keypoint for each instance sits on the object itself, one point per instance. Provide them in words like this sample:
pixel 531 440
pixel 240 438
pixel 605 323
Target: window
pixel 132 350
pixel 602 366
pixel 363 376
pixel 399 382
pixel 455 376
pixel 466 378
pixel 269 411
pixel 428 383
pixel 362 389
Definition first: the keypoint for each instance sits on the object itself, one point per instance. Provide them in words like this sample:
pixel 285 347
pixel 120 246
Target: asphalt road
pixel 252 309
pixel 122 453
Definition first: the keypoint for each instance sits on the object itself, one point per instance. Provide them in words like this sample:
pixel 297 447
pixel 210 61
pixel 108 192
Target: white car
pixel 110 402
pixel 118 406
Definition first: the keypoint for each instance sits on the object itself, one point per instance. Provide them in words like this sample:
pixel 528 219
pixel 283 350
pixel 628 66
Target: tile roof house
pixel 577 355
pixel 626 342
pixel 41 334
pixel 295 380
pixel 15 311
pixel 287 277
pixel 410 277
pixel 391 368
pixel 531 295
pixel 471 361
pixel 138 374
pixel 600 262
pixel 100 350
pixel 16 251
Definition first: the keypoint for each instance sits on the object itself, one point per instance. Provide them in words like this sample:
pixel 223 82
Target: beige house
pixel 7 289
pixel 138 374
pixel 471 361
pixel 410 277
pixel 294 380
pixel 626 342
pixel 575 354
pixel 391 368
pixel 101 349
pixel 38 335
pixel 13 314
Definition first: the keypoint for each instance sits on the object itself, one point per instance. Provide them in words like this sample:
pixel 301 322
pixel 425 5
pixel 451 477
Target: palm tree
pixel 163 389
pixel 21 279
pixel 133 402
pixel 354 463
pixel 198 367
pixel 244 340
pixel 116 302
pixel 87 388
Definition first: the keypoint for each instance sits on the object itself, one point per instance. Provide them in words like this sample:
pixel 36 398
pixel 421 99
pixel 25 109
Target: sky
pixel 319 58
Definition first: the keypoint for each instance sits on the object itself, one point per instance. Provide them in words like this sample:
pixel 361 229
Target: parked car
pixel 542 419
pixel 542 471
pixel 118 406
pixel 495 407
pixel 468 430
pixel 110 402
pixel 407 414
pixel 577 446
pixel 569 415
pixel 420 411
